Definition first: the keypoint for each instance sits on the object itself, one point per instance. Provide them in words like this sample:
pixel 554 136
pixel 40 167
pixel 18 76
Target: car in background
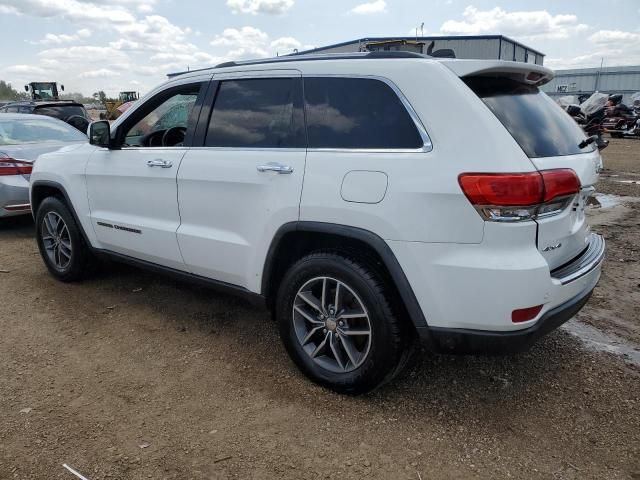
pixel 22 139
pixel 68 111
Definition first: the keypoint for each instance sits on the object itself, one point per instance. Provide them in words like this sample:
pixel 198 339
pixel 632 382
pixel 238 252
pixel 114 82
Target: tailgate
pixel 551 140
pixel 564 236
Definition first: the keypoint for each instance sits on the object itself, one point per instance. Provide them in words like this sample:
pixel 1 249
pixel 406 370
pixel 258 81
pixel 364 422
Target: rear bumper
pixel 453 340
pixel 468 293
pixel 14 196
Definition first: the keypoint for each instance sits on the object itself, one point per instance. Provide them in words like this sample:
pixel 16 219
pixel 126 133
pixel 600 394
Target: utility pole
pixel 595 88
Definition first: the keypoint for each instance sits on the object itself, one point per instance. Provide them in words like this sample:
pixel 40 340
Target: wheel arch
pixel 41 189
pixel 295 239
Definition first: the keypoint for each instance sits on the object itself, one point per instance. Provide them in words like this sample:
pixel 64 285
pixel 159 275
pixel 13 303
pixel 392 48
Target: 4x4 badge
pixel 552 247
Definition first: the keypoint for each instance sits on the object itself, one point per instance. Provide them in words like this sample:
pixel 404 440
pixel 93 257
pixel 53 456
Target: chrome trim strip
pixel 586 262
pixel 17 207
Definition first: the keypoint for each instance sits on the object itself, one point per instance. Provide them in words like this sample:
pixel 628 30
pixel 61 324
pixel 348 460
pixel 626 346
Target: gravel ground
pixel 134 376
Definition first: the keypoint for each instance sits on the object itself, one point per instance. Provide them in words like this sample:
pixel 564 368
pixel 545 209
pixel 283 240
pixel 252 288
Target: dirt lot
pixel 133 376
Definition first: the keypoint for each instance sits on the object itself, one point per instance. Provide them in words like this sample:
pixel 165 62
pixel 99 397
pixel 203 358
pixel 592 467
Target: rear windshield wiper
pixel 588 141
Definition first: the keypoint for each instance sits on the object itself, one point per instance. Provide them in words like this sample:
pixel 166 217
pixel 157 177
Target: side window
pixel 357 113
pixel 167 123
pixel 257 113
pixel 11 109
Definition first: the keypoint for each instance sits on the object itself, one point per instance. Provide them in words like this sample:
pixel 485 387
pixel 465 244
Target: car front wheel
pixel 60 242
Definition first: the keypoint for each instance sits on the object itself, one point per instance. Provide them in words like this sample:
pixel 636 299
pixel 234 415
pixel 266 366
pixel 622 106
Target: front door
pixel 132 190
pixel 245 180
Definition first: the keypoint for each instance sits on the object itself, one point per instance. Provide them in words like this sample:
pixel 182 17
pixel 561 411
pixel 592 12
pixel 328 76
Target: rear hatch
pixel 548 136
pixel 61 111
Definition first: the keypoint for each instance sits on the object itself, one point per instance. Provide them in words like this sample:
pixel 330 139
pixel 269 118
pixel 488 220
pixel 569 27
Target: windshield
pixel 61 112
pixel 537 123
pixel 33 130
pixel 44 90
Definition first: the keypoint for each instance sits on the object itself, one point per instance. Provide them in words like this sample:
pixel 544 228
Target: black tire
pixel 390 340
pixel 80 258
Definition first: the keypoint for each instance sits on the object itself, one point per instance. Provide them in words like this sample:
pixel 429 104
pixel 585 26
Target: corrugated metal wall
pixel 624 80
pixel 482 48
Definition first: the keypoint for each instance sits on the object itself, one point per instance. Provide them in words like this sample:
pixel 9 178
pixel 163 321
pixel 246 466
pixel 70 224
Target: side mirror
pixel 62 87
pixel 100 133
pixel 26 88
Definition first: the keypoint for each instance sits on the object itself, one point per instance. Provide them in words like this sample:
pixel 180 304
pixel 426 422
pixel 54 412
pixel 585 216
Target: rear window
pixel 33 130
pixel 537 123
pixel 61 112
pixel 357 113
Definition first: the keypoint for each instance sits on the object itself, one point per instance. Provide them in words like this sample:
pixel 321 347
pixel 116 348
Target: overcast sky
pixel 115 45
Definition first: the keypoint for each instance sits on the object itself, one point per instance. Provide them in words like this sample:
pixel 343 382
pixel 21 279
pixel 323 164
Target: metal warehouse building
pixel 478 46
pixel 624 80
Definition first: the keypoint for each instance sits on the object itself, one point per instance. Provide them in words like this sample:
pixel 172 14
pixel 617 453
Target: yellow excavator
pixel 113 106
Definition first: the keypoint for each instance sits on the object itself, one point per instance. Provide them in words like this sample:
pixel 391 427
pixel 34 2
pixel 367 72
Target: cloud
pixel 250 42
pixel 72 10
pixel 608 37
pixel 255 7
pixel 99 73
pixel 285 44
pixel 245 42
pixel 377 6
pixel 82 54
pixel 154 32
pixel 53 39
pixel 614 47
pixel 25 70
pixel 538 24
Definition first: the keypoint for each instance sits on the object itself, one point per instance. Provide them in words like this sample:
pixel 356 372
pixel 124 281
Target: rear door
pixel 244 180
pixel 552 140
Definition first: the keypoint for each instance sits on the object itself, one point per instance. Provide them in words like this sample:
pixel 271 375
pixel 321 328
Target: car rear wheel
pixel 60 242
pixel 337 324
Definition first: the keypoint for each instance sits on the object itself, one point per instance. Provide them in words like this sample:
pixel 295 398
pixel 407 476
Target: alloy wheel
pixel 56 240
pixel 332 324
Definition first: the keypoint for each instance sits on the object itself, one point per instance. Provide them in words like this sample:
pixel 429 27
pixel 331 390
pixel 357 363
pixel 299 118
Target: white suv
pixel 369 199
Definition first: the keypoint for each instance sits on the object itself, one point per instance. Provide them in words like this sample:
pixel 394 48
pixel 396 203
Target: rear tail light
pixel 11 166
pixel 509 197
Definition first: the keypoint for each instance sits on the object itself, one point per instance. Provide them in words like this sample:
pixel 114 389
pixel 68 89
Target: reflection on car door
pixel 245 180
pixel 132 191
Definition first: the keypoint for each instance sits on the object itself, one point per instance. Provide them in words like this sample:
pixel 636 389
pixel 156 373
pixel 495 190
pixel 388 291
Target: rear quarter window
pixel 537 123
pixel 357 113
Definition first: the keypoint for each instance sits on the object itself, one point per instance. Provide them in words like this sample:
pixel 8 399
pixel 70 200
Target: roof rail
pixel 311 57
pixel 324 56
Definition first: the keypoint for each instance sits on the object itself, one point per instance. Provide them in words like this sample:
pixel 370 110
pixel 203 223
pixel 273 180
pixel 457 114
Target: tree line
pixel 7 92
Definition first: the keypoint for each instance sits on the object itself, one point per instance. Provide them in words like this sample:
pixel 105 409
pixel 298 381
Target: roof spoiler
pixel 527 73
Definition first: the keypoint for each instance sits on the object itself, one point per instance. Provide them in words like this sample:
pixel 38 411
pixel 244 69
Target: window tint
pixel 537 123
pixel 61 112
pixel 173 112
pixel 357 113
pixel 257 113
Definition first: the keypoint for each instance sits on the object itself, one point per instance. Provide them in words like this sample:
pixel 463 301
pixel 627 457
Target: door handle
pixel 159 163
pixel 275 167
